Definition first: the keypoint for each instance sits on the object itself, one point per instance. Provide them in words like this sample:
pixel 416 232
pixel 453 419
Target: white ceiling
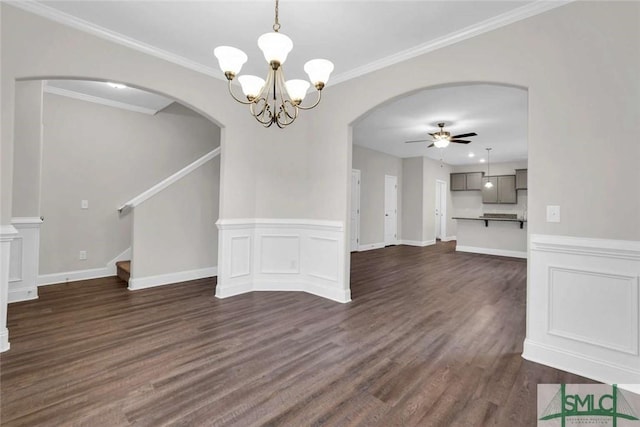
pixel 358 36
pixel 498 114
pixel 100 92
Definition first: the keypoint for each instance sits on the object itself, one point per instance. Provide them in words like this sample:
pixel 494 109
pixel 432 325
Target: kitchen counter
pixel 502 238
pixel 486 219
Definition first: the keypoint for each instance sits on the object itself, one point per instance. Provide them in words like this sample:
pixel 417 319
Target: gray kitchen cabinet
pixel 466 181
pixel 474 180
pixel 458 181
pixel 503 190
pixel 521 179
pixel 507 189
pixel 490 195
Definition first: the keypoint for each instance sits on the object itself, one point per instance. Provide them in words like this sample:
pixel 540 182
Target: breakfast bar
pixel 492 234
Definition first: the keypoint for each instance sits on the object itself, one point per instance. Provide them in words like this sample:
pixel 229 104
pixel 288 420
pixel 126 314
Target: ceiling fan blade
pixel 419 140
pixel 433 135
pixel 464 135
pixel 459 141
pixel 432 145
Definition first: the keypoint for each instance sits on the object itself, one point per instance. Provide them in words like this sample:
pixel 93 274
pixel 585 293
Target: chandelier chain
pixel 276 24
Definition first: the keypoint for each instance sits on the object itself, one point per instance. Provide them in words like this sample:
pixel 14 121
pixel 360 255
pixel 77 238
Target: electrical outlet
pixel 83 255
pixel 84 204
pixel 553 213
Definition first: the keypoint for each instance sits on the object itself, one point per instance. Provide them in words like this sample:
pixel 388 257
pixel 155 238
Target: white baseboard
pixel 370 247
pixel 338 295
pixel 449 238
pixel 579 364
pixel 233 290
pixel 491 251
pixel 417 243
pixel 93 273
pixel 171 278
pixel 72 276
pixel 18 295
pixel 4 340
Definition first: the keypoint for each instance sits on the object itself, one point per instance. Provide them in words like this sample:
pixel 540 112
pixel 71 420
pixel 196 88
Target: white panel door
pixel 441 209
pixel 355 209
pixel 390 210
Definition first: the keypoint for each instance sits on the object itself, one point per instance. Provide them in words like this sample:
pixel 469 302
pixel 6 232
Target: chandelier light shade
pixel 274 100
pixel 230 59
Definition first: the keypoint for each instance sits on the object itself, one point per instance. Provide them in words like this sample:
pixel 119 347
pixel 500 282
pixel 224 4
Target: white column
pixel 7 234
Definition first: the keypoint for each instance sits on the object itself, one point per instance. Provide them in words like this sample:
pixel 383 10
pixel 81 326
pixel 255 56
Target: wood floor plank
pixel 432 337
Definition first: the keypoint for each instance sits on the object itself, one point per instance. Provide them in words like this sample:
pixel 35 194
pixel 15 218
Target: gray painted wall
pixel 412 197
pixel 28 149
pixel 373 166
pixel 175 230
pixel 434 170
pixel 107 156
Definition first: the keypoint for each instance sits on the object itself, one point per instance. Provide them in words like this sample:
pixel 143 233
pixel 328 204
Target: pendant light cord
pixel 276 24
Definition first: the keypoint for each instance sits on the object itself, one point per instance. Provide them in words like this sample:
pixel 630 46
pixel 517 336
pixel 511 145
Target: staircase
pixel 123 270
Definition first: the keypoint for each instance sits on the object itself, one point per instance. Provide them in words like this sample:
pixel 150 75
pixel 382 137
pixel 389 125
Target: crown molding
pixel 524 12
pixel 98 100
pixel 487 25
pixel 63 18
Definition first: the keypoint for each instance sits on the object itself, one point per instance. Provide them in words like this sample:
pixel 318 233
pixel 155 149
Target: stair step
pixel 123 270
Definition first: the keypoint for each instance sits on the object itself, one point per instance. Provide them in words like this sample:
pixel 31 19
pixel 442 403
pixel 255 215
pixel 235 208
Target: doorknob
pixel 386 214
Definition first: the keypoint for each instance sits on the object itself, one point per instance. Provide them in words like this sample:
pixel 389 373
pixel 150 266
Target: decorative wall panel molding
pixel 583 307
pixel 24 259
pixel 282 255
pixel 7 234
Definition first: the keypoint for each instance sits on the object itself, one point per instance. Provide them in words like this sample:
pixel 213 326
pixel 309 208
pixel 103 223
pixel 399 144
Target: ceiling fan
pixel 442 138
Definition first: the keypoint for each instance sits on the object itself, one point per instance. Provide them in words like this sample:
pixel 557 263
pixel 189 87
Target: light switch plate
pixel 553 213
pixel 84 204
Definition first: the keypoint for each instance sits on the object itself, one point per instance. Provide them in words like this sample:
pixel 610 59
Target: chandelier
pixel 273 100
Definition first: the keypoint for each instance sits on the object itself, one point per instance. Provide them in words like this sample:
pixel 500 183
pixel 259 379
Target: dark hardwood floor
pixel 432 338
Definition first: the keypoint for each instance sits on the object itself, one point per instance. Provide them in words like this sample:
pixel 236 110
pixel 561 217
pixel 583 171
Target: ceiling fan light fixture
pixel 272 100
pixel 441 143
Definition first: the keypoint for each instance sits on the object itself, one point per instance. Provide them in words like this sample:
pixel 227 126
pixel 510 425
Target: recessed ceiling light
pixel 482 160
pixel 471 155
pixel 116 85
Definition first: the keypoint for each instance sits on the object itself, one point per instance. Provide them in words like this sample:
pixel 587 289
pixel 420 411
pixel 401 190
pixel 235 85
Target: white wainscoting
pixel 24 259
pixel 282 255
pixel 7 234
pixel 583 305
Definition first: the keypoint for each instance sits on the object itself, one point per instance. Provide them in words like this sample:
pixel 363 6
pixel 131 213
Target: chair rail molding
pixel 261 254
pixel 583 305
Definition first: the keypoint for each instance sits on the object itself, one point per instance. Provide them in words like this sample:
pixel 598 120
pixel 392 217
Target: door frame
pixel 384 235
pixel 359 175
pixel 443 208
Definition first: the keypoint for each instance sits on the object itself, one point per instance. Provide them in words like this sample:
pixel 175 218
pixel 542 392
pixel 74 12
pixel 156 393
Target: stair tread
pixel 124 265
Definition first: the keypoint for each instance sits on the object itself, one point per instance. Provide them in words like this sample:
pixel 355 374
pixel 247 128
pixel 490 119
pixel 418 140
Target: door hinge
pixel 358 181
